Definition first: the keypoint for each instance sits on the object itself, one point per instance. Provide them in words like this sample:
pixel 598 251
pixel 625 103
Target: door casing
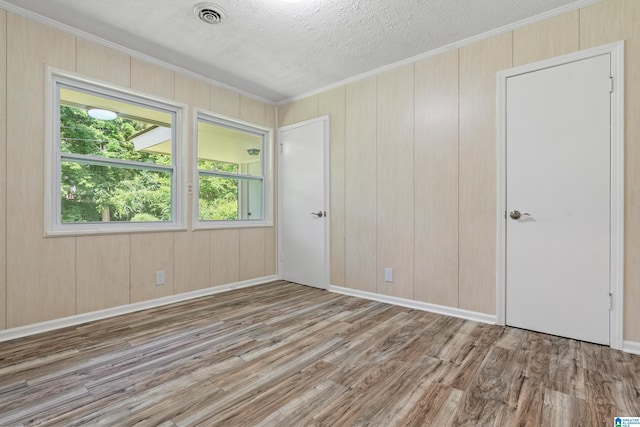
pixel 616 279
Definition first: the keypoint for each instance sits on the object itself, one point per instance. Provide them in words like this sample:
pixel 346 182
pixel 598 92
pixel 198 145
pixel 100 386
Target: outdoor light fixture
pixel 253 151
pixel 101 114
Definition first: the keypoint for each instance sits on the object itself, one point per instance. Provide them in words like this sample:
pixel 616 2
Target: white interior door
pixel 558 180
pixel 303 195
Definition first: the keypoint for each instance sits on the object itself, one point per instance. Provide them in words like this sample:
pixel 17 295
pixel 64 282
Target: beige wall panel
pixel 191 261
pixel 40 272
pixel 270 116
pixel 479 63
pixel 151 252
pixel 224 102
pixel 333 104
pixel 286 114
pixel 360 185
pixel 225 256
pixel 546 39
pixel 3 168
pixel 631 13
pixel 395 183
pixel 252 254
pixel 102 272
pixel 152 79
pixel 436 180
pixel 40 278
pixel 306 108
pixel 191 91
pixel 269 251
pixel 601 23
pixel 253 111
pixel 103 63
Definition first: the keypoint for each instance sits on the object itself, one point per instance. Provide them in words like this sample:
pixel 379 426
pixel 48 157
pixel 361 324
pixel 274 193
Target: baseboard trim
pixel 418 305
pixel 36 328
pixel 631 347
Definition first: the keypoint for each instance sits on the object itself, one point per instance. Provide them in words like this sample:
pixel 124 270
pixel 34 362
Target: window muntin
pixel 231 159
pixel 112 175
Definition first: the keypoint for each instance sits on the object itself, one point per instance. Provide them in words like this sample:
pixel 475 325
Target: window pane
pixel 220 145
pixel 133 132
pixel 96 193
pixel 212 165
pixel 224 199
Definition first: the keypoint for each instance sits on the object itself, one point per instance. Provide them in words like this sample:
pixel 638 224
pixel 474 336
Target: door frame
pixel 327 222
pixel 616 245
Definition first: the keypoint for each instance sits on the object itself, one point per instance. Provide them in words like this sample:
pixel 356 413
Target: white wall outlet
pixel 388 275
pixel 159 278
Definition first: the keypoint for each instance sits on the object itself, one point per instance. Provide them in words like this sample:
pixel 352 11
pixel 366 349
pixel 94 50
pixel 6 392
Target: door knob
pixel 517 214
pixel 318 214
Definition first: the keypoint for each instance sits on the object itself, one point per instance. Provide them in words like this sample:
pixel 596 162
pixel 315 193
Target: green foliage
pixel 144 217
pixel 94 193
pixel 90 190
pixel 218 198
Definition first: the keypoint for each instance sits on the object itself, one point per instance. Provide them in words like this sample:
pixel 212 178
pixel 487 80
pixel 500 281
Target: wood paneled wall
pixel 361 214
pixel 477 183
pixel 50 278
pixel 631 26
pixel 40 272
pixel 436 180
pixel 3 168
pixel 419 168
pixel 394 182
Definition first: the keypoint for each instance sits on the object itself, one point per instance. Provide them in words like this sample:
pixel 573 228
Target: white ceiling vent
pixel 209 13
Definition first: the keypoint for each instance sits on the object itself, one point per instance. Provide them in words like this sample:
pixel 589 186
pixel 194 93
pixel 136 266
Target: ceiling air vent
pixel 209 13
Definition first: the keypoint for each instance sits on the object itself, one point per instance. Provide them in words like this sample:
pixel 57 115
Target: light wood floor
pixel 287 355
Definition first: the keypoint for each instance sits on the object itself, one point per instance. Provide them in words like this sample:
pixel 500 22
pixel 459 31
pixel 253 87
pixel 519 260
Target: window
pixel 114 160
pixel 233 173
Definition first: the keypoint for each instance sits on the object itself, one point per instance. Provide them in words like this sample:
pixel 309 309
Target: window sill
pixel 103 229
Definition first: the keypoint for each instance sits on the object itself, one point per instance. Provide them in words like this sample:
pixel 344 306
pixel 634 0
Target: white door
pixel 303 195
pixel 558 199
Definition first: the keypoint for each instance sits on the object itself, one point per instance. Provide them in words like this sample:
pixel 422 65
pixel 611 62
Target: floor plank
pixel 283 354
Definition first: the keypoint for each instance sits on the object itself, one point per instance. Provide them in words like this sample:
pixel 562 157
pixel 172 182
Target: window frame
pixel 267 172
pixel 54 157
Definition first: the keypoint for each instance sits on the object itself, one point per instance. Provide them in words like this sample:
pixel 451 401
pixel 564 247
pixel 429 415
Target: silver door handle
pixel 318 214
pixel 517 214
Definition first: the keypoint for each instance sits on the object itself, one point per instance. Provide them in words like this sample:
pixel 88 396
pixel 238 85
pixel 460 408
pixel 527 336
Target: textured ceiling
pixel 279 50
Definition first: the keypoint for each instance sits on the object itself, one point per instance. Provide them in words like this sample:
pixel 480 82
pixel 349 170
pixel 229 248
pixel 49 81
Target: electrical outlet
pixel 159 278
pixel 388 275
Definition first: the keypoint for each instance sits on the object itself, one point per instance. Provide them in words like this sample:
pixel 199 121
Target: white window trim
pixel 268 176
pixel 52 224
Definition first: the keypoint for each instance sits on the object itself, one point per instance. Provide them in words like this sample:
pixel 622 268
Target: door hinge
pixel 610 84
pixel 610 301
pixel 281 147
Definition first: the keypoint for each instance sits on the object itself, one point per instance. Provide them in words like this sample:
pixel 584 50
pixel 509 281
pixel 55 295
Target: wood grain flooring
pixel 282 354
